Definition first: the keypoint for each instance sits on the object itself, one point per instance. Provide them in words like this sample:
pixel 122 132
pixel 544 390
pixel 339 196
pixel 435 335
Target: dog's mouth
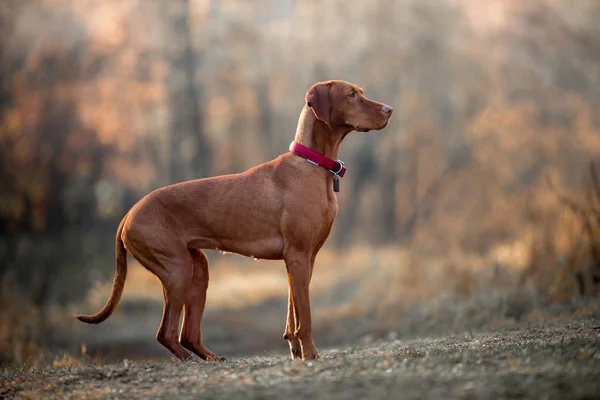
pixel 387 121
pixel 364 129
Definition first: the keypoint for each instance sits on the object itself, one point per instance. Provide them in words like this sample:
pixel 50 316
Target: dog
pixel 279 210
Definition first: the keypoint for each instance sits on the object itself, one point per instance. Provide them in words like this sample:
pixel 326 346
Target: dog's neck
pixel 316 134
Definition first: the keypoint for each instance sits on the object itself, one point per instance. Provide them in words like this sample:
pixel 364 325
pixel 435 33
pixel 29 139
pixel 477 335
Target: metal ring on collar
pixel 339 170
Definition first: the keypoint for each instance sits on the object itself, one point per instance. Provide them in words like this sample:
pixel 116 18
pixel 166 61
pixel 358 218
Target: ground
pixel 557 360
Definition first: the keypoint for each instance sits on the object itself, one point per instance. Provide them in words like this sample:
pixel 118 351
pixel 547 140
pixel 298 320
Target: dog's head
pixel 343 105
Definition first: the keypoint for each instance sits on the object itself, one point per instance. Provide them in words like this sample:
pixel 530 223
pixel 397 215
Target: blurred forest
pixel 490 153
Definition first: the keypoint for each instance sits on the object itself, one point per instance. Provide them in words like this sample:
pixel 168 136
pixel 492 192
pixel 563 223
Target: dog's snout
pixel 387 110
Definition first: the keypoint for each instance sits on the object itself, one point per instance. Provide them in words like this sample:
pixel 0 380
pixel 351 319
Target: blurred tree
pixel 102 101
pixel 190 156
pixel 50 164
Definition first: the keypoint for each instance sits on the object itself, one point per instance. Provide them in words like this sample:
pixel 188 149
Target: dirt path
pixel 556 361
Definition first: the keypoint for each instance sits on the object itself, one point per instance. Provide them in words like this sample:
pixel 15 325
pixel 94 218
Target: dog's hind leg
pixel 176 280
pixel 191 331
pixel 174 301
pixel 167 257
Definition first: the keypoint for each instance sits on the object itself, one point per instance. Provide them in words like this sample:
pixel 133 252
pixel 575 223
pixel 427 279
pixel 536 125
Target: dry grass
pixel 26 332
pixel 21 328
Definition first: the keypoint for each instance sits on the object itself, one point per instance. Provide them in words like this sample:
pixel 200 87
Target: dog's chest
pixel 329 214
pixel 332 210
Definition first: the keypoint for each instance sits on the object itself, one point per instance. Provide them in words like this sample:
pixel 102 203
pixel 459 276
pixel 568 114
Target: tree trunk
pixel 190 155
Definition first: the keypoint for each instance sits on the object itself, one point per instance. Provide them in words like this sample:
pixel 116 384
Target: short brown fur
pixel 282 209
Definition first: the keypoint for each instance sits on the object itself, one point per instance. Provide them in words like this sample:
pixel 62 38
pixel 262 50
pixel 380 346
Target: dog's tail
pixel 118 283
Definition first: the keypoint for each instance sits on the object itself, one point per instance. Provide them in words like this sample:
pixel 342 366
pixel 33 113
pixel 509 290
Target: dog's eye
pixel 352 95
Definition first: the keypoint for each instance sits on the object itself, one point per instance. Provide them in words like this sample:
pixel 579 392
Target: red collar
pixel 336 167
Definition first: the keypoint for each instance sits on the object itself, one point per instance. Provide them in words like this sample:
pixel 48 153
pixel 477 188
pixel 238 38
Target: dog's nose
pixel 387 110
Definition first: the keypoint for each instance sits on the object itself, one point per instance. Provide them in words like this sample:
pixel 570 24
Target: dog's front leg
pixel 299 271
pixel 290 326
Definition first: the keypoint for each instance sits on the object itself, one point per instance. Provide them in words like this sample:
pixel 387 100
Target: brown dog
pixel 282 209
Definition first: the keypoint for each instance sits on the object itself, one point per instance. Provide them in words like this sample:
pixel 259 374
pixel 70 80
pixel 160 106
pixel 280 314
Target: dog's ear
pixel 318 98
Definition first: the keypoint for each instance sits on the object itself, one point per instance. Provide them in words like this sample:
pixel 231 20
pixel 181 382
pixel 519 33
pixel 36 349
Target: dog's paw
pixel 296 352
pixel 313 356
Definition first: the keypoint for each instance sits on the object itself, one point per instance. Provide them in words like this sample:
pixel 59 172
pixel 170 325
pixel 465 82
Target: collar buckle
pixel 341 164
